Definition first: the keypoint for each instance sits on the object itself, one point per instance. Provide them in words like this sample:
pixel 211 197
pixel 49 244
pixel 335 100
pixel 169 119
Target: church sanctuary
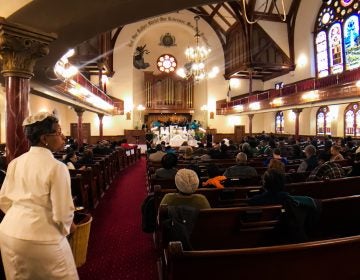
pixel 203 139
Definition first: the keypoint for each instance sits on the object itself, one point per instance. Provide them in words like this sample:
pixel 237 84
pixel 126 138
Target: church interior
pixel 194 71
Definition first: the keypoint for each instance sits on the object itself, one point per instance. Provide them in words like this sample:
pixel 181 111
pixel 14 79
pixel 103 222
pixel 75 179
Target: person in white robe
pixel 38 206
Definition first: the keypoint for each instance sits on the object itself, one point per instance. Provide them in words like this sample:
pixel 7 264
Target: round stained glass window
pixel 346 3
pixel 166 63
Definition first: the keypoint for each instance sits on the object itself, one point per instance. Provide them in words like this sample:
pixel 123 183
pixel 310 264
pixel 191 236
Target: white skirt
pixel 32 260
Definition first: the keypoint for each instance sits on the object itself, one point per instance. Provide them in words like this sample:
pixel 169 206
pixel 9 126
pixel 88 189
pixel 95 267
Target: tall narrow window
pixel 352 120
pixel 337 44
pixel 352 42
pixel 322 54
pixel 279 122
pixel 323 121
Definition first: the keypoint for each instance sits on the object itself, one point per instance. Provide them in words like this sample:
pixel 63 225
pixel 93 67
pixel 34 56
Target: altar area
pixel 174 135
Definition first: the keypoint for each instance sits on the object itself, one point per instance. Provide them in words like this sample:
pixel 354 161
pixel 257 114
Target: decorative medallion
pixel 167 40
pixel 166 63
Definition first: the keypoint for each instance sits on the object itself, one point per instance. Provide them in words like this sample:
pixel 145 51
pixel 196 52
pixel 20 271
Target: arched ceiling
pixel 77 21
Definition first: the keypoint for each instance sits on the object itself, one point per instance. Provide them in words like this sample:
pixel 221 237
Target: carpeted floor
pixel 118 249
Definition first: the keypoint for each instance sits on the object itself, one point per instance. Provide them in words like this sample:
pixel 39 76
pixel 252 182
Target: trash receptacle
pixel 79 239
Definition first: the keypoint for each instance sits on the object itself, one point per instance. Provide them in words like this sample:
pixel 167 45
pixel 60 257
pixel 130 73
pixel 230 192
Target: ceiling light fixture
pixel 196 57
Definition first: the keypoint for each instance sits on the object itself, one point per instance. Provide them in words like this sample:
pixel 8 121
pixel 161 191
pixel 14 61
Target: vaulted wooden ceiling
pixel 78 21
pixel 227 19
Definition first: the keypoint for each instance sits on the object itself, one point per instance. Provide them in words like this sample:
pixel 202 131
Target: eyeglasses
pixel 56 133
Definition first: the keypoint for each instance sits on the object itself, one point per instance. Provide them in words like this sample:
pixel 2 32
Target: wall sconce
pixel 302 60
pixel 239 108
pixel 277 101
pixel 310 96
pixel 358 84
pixel 254 106
pixel 128 116
pixel 212 114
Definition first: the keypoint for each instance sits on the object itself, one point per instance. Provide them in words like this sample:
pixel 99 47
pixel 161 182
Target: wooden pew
pixel 327 188
pixel 89 181
pixel 321 260
pixel 218 198
pixel 79 191
pixel 225 228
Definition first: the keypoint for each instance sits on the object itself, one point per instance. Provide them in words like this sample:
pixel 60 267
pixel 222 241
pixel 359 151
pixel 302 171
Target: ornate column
pixel 79 112
pixel 100 116
pixel 251 116
pixel 297 112
pixel 20 47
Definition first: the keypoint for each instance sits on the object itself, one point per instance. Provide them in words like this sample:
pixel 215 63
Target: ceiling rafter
pixel 220 32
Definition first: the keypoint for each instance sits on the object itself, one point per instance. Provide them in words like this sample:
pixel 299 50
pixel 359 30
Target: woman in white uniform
pixel 37 202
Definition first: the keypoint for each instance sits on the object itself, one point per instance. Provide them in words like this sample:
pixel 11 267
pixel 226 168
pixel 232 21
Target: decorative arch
pixel 352 120
pixel 323 121
pixel 279 122
pixel 337 41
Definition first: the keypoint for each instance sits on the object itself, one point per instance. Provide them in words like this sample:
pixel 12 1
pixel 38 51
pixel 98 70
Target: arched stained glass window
pixel 322 54
pixel 337 42
pixel 335 46
pixel 352 120
pixel 352 42
pixel 279 122
pixel 323 121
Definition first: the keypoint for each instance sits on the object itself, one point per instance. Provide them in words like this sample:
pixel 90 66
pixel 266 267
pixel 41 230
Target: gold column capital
pixel 20 47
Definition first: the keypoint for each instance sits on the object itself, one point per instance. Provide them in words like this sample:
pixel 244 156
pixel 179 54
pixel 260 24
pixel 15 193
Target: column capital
pixel 251 116
pixel 100 116
pixel 79 111
pixel 297 111
pixel 20 47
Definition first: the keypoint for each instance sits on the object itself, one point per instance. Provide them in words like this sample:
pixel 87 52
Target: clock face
pixel 166 63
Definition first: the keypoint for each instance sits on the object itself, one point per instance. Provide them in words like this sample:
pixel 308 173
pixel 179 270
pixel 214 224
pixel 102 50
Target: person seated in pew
pixel 87 158
pixel 276 154
pixel 335 153
pixel 158 155
pixel 277 165
pixel 71 161
pixel 152 149
pixel 183 147
pixel 187 182
pixel 241 169
pixel 355 169
pixel 168 170
pixel 326 170
pixel 215 177
pixel 102 148
pixel 188 154
pixel 125 144
pixel 311 160
pixel 273 184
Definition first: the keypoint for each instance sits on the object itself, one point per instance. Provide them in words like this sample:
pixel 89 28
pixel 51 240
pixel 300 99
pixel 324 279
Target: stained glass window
pixel 323 121
pixel 337 42
pixel 335 46
pixel 166 63
pixel 322 55
pixel 352 120
pixel 279 123
pixel 352 42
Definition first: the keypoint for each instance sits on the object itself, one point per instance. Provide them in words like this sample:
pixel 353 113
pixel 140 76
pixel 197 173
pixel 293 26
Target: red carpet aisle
pixel 118 249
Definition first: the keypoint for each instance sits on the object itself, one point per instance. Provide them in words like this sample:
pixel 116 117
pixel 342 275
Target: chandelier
pixel 196 57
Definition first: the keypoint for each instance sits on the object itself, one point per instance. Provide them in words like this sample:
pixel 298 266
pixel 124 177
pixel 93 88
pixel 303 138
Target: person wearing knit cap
pixel 187 182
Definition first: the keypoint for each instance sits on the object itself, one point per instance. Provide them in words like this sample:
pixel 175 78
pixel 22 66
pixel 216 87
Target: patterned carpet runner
pixel 118 249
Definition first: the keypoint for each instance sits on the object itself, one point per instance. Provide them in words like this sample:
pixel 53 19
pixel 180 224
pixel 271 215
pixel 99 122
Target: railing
pixel 301 86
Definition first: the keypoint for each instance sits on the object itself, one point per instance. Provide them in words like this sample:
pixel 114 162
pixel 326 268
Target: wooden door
pixel 86 132
pixel 239 132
